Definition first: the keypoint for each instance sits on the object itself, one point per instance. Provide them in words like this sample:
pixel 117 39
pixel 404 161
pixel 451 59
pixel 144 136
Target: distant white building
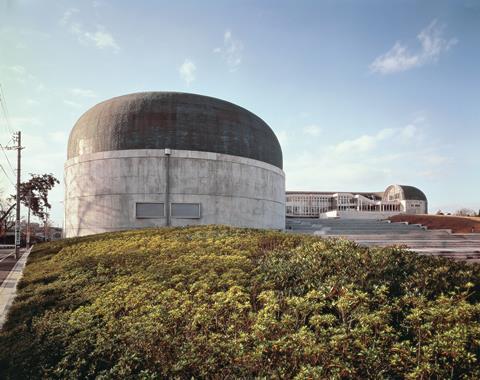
pixel 396 199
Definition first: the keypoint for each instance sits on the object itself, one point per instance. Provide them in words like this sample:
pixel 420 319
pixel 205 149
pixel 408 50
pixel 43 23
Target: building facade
pixel 172 159
pixel 396 199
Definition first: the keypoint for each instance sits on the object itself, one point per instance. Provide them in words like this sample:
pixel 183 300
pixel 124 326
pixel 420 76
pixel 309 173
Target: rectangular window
pixel 185 210
pixel 149 210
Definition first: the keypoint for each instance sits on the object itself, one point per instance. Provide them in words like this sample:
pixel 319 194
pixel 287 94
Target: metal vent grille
pixel 185 210
pixel 149 210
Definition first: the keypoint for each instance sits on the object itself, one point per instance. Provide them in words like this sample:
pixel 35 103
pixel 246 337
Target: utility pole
pixel 17 219
pixel 17 138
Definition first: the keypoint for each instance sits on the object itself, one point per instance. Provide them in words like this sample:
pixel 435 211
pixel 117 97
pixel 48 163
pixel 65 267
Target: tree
pixel 6 216
pixel 33 193
pixel 465 212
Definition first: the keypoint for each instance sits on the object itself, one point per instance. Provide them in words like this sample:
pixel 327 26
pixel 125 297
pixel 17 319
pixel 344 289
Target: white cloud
pixel 368 162
pixel 72 103
pixel 18 73
pixel 84 93
pixel 17 69
pixel 409 131
pixel 321 170
pixel 22 75
pixel 396 59
pixel 432 41
pixel 32 102
pixel 25 122
pixel 187 71
pixel 360 144
pixel 40 87
pixel 436 159
pixel 363 143
pixel 100 37
pixel 231 51
pixel 58 136
pixel 67 16
pixel 367 143
pixel 312 130
pixel 400 58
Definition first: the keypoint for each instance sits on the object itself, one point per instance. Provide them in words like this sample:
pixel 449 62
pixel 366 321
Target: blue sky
pixel 360 94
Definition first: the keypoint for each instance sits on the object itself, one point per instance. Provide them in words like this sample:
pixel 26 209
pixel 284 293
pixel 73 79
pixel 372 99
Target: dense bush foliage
pixel 218 302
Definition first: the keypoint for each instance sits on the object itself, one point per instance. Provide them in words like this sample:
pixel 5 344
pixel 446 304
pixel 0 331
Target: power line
pixel 3 104
pixel 5 154
pixel 6 175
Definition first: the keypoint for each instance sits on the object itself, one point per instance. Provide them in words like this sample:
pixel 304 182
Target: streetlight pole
pixel 45 228
pixel 168 152
pixel 28 219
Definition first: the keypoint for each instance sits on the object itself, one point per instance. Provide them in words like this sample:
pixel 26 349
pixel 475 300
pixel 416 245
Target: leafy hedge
pixel 219 302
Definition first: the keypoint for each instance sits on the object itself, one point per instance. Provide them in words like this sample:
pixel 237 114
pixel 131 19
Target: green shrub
pixel 219 302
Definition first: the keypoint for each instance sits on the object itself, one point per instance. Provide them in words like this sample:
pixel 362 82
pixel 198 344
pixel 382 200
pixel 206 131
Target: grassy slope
pixel 224 302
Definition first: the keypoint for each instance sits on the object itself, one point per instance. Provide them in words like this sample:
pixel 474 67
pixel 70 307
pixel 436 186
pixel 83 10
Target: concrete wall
pixel 101 189
pixel 414 207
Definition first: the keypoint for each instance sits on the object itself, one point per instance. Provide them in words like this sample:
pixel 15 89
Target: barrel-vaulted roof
pixel 409 193
pixel 413 194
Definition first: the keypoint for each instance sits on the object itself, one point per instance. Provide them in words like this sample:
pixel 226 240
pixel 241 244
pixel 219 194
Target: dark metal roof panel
pixel 159 120
pixel 412 193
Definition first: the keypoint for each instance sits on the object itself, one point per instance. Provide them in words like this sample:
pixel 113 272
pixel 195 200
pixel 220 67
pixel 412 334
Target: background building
pixel 166 158
pixel 396 199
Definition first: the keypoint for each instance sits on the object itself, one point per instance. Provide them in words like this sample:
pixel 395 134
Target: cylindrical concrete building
pixel 167 158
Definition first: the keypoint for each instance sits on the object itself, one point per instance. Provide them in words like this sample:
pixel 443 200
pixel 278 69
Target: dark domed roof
pixel 412 193
pixel 158 120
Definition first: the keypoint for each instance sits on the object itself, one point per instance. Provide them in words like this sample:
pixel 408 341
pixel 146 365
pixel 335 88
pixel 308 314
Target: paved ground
pixel 382 233
pixel 7 262
pixel 11 272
